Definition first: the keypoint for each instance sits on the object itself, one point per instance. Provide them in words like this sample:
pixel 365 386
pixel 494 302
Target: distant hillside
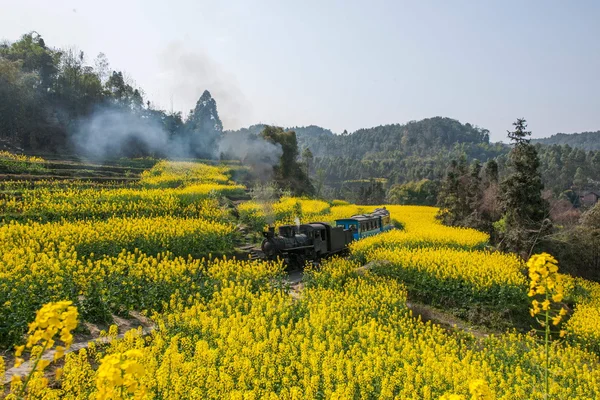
pixel 311 131
pixel 398 152
pixel 585 140
pixel 417 150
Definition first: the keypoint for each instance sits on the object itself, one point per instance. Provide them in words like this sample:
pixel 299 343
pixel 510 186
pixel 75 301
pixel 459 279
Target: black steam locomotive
pixel 296 244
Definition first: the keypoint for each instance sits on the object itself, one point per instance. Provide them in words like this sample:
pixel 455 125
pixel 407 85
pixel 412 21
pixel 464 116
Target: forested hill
pixel 398 152
pixel 413 138
pixel 584 140
pixel 417 150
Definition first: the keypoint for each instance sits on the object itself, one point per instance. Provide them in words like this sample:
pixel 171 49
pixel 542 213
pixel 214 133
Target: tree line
pixel 46 94
pixel 516 210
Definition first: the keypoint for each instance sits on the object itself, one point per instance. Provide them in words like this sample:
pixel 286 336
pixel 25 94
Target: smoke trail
pixel 116 131
pixel 252 150
pixel 111 132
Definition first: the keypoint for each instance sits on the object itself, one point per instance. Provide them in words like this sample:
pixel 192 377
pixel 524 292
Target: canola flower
pixel 20 158
pixel 119 376
pixel 2 369
pixel 547 285
pixel 74 203
pixel 182 236
pixel 228 328
pixel 356 340
pixel 420 229
pixel 179 173
pixel 462 276
pixel 59 318
pixel 128 281
pixel 583 325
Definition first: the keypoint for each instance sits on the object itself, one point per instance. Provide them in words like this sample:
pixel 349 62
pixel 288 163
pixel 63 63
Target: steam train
pixel 297 244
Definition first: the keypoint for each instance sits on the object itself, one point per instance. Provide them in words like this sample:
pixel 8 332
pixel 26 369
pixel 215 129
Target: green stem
pixel 546 345
pixel 34 367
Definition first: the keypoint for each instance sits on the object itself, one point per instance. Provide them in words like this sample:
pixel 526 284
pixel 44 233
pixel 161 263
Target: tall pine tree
pixel 204 126
pixel 525 218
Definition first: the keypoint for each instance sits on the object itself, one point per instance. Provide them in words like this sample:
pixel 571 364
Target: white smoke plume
pixel 253 150
pixel 113 132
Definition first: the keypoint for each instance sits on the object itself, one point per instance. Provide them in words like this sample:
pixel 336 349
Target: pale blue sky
pixel 344 64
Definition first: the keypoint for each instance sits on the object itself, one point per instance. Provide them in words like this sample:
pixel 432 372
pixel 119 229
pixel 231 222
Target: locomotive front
pixel 288 240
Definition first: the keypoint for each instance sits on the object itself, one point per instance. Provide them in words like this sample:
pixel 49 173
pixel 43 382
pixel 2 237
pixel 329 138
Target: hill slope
pixel 585 140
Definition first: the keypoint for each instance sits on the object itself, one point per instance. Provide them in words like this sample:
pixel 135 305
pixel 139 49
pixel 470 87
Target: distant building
pixel 589 198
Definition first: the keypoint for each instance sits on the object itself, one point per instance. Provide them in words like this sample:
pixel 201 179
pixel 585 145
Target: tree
pixel 423 192
pixel 525 218
pixel 288 173
pixel 307 159
pixel 579 180
pixel 373 193
pixel 520 135
pixel 122 93
pixel 474 195
pixel 452 199
pixel 204 126
pixel 102 67
pixel 491 172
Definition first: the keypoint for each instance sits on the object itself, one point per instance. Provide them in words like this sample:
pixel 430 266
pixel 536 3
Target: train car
pixel 296 244
pixel 365 225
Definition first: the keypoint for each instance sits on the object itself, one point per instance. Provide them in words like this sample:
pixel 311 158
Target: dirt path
pixel 294 279
pixel 83 341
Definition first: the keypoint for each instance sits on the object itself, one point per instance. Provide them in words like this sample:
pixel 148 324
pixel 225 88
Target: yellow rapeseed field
pixel 228 328
pixel 251 340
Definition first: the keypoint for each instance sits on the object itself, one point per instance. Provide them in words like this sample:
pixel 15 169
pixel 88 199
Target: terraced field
pixel 76 255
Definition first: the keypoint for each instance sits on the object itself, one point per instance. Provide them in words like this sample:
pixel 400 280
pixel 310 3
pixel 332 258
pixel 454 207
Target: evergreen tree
pixel 474 195
pixel 307 159
pixel 204 126
pixel 491 172
pixel 579 180
pixel 452 199
pixel 288 174
pixel 520 135
pixel 525 218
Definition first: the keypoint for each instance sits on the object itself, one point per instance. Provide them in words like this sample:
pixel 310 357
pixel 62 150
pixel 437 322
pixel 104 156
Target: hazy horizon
pixel 344 65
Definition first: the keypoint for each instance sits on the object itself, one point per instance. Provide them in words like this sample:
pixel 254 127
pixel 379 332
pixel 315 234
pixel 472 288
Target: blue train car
pixel 364 225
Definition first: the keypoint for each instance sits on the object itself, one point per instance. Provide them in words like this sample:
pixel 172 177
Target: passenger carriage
pixel 365 225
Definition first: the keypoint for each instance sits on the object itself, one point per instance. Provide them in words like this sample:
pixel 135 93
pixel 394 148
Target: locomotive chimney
pixel 269 234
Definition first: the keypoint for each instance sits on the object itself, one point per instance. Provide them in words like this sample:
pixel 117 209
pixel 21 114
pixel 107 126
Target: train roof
pixel 378 212
pixel 305 227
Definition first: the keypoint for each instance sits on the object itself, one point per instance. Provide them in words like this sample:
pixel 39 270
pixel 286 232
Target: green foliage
pixel 586 141
pixel 11 166
pixel 46 92
pixel 578 247
pixel 204 125
pixel 288 173
pixel 371 192
pixel 423 192
pixel 525 211
pixel 453 198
